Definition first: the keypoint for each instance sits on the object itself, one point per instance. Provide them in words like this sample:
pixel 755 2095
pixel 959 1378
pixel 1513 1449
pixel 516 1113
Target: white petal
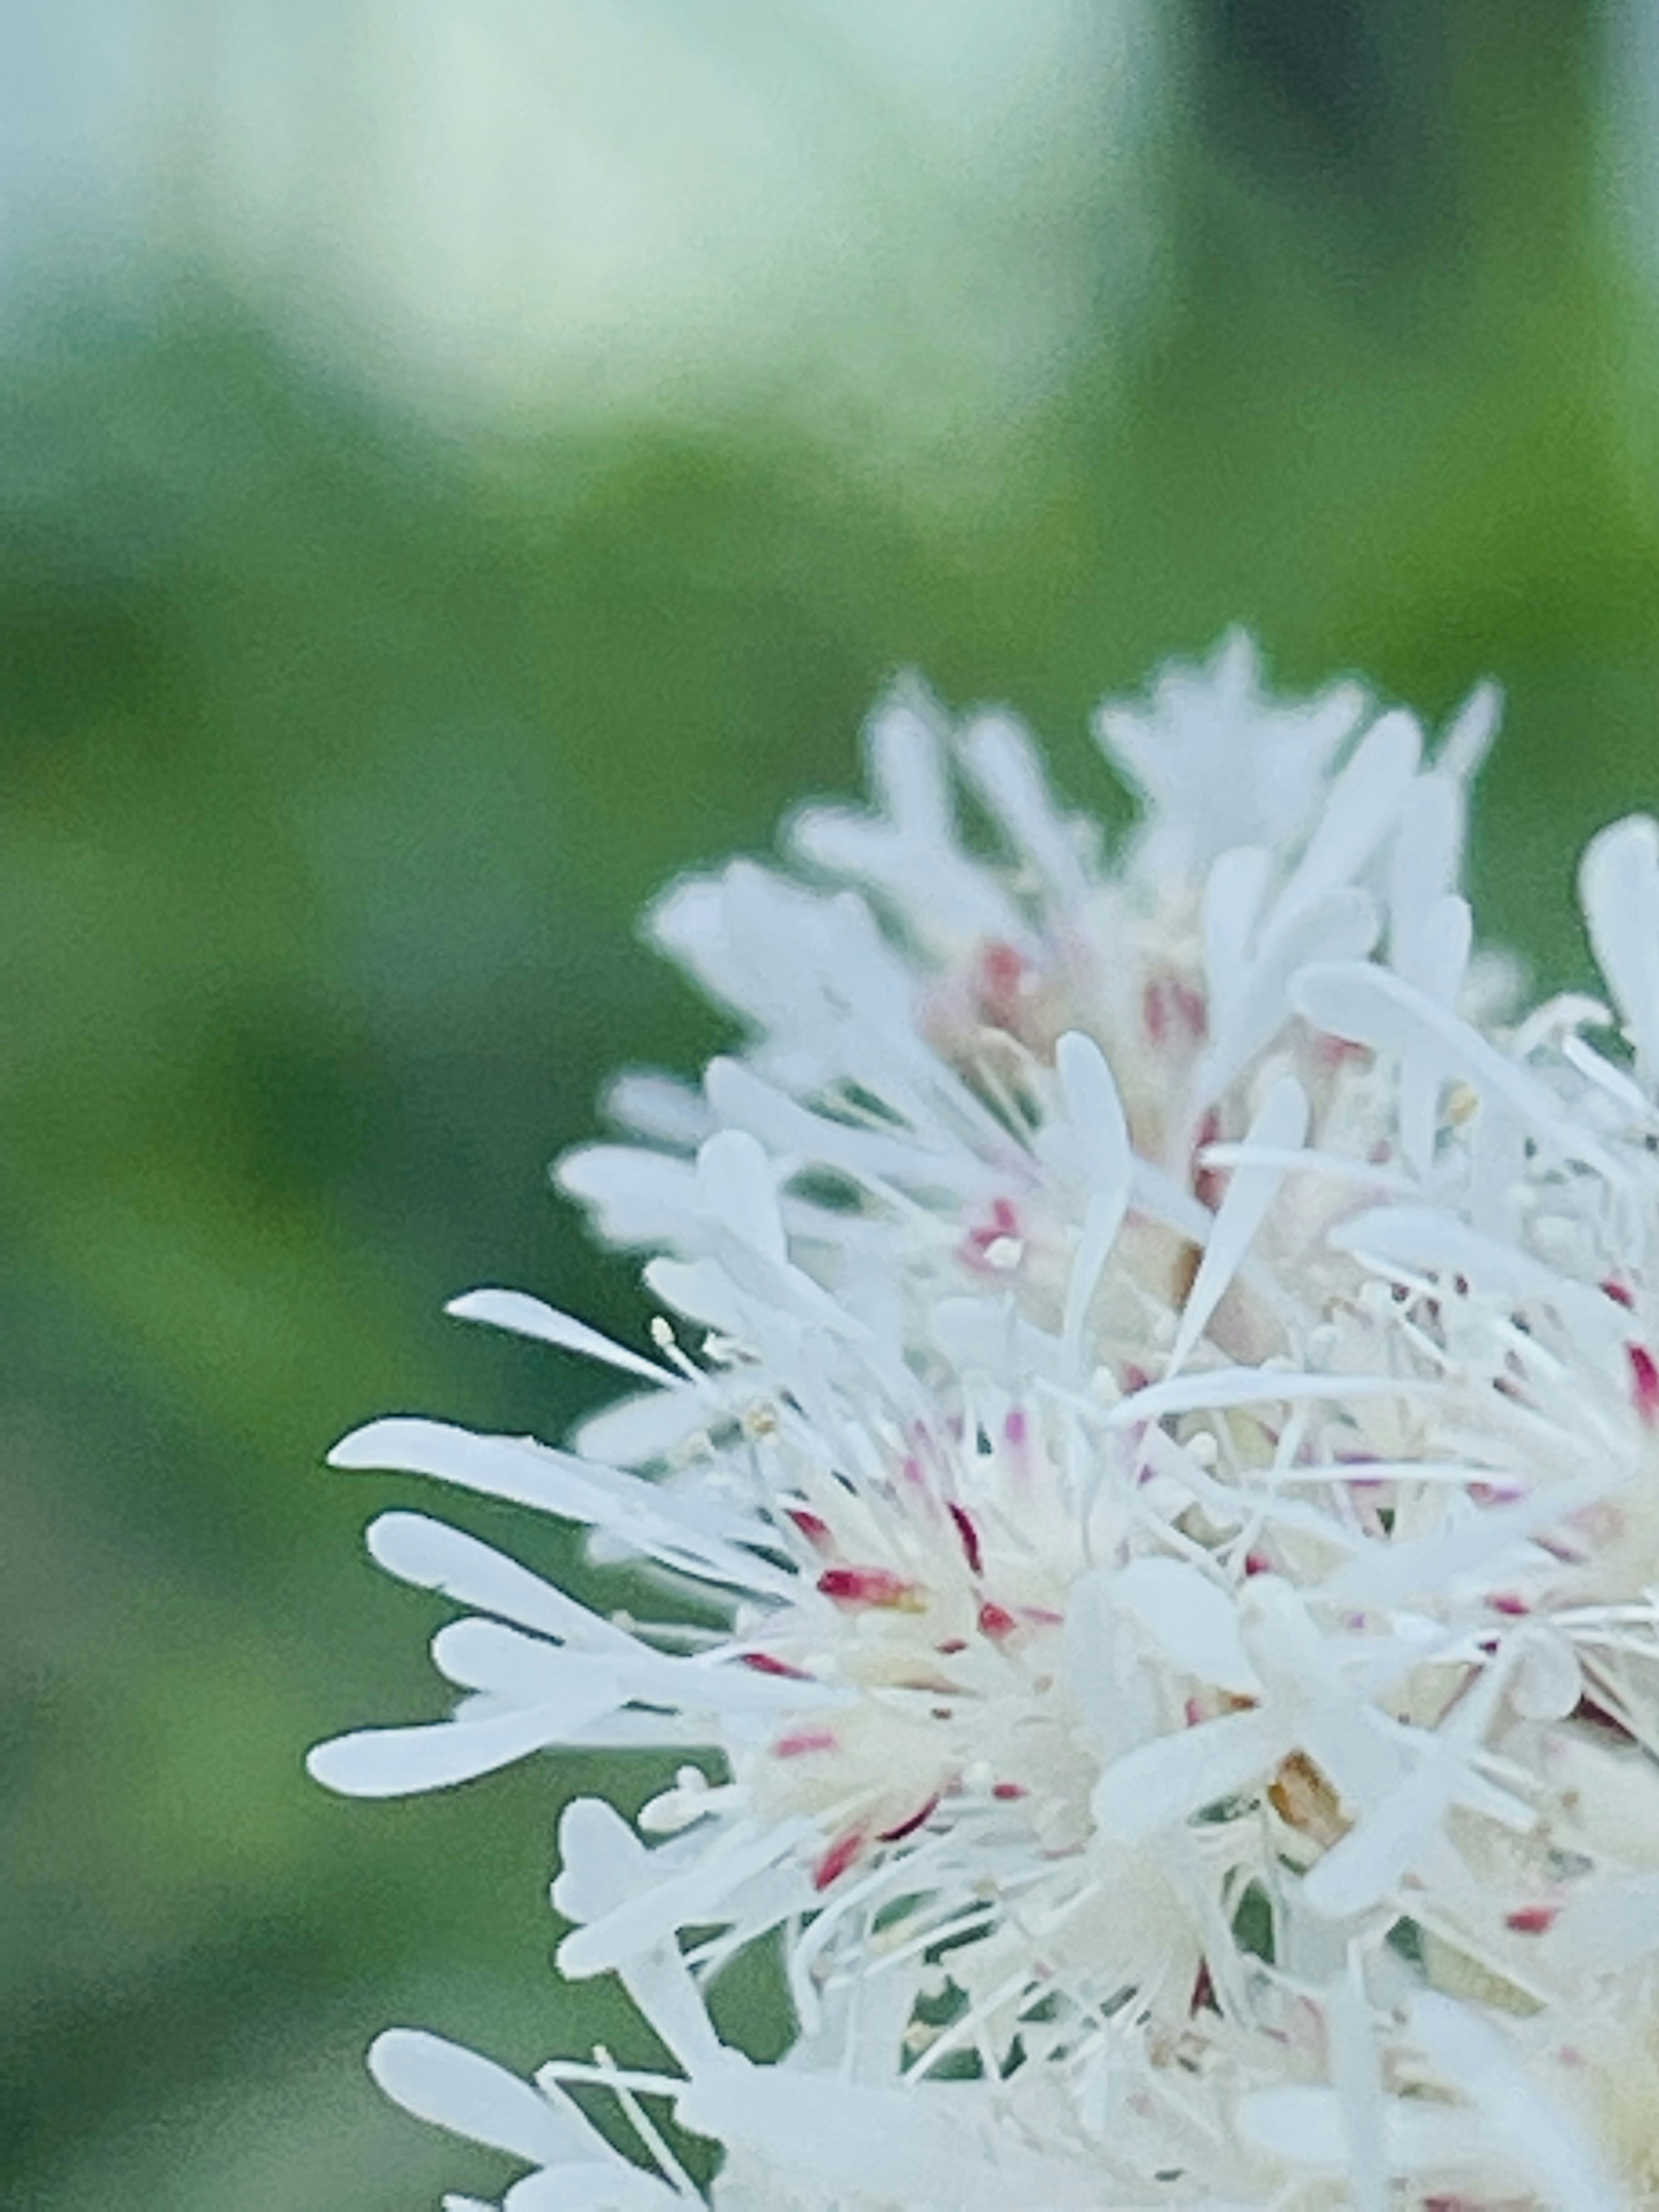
pixel 1251 1385
pixel 1558 2162
pixel 637 1196
pixel 1192 1620
pixel 1348 999
pixel 681 1530
pixel 400 1762
pixel 452 2087
pixel 1233 892
pixel 1342 926
pixel 919 2148
pixel 1003 765
pixel 659 1108
pixel 1282 1122
pixel 524 1670
pixel 1366 1865
pixel 638 1431
pixel 1424 1240
pixel 1549 1682
pixel 736 1188
pixel 646 1914
pixel 1163 1783
pixel 1357 813
pixel 431 1555
pixel 528 1316
pixel 1468 739
pixel 1619 882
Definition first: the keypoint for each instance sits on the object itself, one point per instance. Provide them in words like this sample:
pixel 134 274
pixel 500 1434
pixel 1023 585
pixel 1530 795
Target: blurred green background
pixel 460 466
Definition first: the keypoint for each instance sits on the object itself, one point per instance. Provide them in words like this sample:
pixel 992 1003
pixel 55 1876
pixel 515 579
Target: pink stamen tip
pixel 1015 1428
pixel 1532 1919
pixel 856 1588
pixel 1645 1374
pixel 1209 1184
pixel 812 1526
pixel 951 1645
pixel 1507 1602
pixel 908 1827
pixel 1006 1792
pixel 1170 1007
pixel 1257 1563
pixel 969 1535
pixel 767 1662
pixel 808 1740
pixel 996 1622
pixel 839 1857
pixel 1004 974
pixel 1620 1293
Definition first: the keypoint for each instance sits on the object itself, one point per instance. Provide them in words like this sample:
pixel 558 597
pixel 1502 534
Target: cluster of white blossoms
pixel 1148 1480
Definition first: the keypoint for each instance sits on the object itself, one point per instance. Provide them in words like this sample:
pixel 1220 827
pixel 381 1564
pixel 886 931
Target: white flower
pixel 1170 1434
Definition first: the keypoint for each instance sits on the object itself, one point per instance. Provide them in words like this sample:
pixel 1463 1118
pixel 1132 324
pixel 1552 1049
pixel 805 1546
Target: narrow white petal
pixel 1369 1005
pixel 431 1555
pixel 1468 738
pixel 1358 813
pixel 1558 2160
pixel 401 1762
pixel 1282 1122
pixel 659 1108
pixel 1251 1385
pixel 1423 1240
pixel 455 2088
pixel 736 1188
pixel 1233 892
pixel 528 1316
pixel 1002 764
pixel 681 1530
pixel 1619 882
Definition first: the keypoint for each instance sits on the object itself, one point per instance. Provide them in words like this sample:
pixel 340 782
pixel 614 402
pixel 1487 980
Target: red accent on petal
pixel 859 1586
pixel 1532 1919
pixel 1003 1224
pixel 806 1740
pixel 1004 971
pixel 839 1857
pixel 1171 1008
pixel 766 1662
pixel 1645 1373
pixel 996 1622
pixel 1506 1602
pixel 1006 1792
pixel 1620 1293
pixel 951 1645
pixel 1209 1184
pixel 908 1827
pixel 969 1535
pixel 816 1530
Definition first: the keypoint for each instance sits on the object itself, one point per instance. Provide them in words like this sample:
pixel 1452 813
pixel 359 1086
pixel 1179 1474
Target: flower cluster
pixel 1156 1388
